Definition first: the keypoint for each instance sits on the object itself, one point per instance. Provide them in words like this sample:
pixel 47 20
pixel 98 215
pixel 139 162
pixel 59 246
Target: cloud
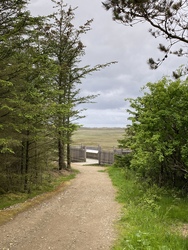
pixel 115 117
pixel 110 41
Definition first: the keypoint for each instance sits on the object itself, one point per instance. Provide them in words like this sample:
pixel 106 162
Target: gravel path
pixel 81 217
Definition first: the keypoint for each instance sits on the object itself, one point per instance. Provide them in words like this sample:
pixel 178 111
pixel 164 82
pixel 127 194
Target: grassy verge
pixel 13 203
pixel 152 218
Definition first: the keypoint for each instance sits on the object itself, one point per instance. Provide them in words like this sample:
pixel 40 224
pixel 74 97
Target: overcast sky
pixel 111 41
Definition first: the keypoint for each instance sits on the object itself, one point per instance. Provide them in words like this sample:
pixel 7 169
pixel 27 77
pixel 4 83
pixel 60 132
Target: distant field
pixel 105 137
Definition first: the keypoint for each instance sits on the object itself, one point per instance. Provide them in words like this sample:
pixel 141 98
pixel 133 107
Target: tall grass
pixel 152 218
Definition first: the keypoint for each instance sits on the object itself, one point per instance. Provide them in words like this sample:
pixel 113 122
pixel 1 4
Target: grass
pixel 107 138
pixel 102 171
pixel 13 203
pixel 152 218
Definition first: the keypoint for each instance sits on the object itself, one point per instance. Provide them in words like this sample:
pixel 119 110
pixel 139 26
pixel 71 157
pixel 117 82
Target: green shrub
pixel 123 160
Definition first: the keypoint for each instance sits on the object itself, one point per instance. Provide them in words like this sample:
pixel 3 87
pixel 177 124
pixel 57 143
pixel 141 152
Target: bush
pixel 123 161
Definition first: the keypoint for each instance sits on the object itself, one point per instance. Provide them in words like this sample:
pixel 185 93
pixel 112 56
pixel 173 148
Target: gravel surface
pixel 82 217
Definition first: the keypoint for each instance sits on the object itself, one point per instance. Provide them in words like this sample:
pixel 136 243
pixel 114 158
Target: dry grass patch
pixel 184 230
pixel 181 229
pixel 107 138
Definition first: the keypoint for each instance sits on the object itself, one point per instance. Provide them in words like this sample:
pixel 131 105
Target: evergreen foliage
pixel 167 19
pixel 39 94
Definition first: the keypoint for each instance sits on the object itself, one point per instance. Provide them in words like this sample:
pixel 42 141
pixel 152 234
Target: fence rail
pixel 106 157
pixel 79 154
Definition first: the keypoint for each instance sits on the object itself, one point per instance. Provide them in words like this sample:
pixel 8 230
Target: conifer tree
pixel 66 49
pixel 167 19
pixel 23 78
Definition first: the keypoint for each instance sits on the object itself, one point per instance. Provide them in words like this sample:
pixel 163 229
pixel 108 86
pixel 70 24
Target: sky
pixel 109 41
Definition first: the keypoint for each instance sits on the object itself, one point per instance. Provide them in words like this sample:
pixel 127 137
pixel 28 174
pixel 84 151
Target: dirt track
pixel 81 217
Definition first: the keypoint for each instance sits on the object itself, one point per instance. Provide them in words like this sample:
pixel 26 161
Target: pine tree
pixel 24 77
pixel 66 49
pixel 167 19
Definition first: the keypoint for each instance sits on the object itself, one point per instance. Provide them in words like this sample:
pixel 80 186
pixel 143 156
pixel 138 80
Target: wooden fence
pixel 80 153
pixel 106 157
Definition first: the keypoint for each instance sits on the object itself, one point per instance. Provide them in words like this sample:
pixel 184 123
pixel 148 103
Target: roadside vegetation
pixel 40 77
pixel 152 218
pixel 152 179
pixel 40 71
pixel 158 134
pixel 13 203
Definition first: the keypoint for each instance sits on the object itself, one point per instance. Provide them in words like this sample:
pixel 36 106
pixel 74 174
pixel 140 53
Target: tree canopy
pixel 40 75
pixel 167 18
pixel 158 134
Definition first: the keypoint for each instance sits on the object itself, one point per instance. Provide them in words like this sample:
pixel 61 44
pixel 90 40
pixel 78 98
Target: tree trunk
pixel 161 175
pixel 22 158
pixel 68 156
pixel 62 164
pixel 26 162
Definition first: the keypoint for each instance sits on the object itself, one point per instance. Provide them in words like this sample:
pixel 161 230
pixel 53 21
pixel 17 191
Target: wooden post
pixel 99 154
pixel 84 148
